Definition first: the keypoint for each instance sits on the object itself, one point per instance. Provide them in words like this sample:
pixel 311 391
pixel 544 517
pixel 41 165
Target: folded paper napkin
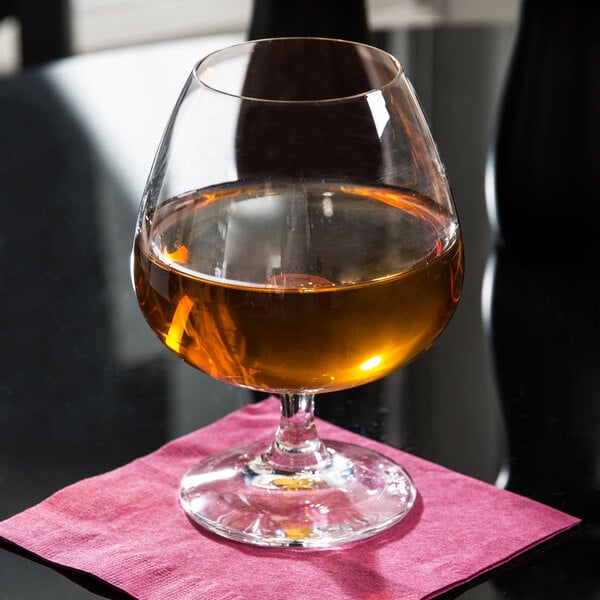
pixel 126 527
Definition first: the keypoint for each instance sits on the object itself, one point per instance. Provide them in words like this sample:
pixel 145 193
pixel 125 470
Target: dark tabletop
pixel 510 394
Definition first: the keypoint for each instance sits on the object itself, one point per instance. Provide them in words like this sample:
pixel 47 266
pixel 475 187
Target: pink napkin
pixel 126 527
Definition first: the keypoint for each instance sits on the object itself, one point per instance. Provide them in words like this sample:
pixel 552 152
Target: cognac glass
pixel 297 235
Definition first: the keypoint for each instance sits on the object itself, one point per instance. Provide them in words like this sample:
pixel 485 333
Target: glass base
pixel 353 494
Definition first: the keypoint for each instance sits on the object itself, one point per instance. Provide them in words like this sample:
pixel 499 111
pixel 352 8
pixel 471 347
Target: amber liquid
pixel 308 288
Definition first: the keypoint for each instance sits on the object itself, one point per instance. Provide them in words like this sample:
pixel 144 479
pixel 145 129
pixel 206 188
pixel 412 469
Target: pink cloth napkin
pixel 127 528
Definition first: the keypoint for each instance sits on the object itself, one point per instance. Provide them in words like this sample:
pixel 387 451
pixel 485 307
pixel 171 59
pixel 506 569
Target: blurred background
pixel 93 25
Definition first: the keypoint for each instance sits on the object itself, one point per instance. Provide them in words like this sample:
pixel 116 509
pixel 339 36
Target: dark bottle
pixel 359 409
pixel 268 140
pixel 259 148
pixel 271 143
pixel 345 19
pixel 544 165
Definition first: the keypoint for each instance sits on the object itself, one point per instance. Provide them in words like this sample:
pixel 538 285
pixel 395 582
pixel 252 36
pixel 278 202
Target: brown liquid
pixel 360 282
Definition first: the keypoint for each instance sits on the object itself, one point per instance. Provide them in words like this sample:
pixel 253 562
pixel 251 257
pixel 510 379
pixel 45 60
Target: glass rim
pixel 205 62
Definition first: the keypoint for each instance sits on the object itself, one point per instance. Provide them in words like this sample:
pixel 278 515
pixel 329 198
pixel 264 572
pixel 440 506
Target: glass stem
pixel 297 445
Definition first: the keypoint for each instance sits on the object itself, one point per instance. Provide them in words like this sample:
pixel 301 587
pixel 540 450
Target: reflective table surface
pixel 510 393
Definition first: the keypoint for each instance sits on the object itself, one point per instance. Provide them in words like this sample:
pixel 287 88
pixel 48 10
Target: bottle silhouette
pixel 544 164
pixel 343 19
pixel 359 409
pixel 268 140
pixel 543 177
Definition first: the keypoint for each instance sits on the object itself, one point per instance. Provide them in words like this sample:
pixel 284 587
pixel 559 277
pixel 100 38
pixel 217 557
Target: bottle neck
pixel 344 19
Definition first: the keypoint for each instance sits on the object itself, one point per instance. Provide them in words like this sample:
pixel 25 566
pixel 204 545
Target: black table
pixel 510 394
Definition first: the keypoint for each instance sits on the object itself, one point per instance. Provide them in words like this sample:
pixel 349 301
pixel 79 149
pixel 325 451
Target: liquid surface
pixel 297 289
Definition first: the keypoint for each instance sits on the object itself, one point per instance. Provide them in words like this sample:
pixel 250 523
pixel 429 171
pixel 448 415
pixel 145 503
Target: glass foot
pixel 353 494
